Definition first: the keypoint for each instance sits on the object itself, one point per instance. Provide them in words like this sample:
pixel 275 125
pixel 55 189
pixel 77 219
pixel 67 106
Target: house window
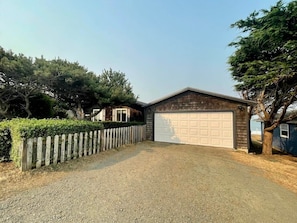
pixel 121 115
pixel 284 130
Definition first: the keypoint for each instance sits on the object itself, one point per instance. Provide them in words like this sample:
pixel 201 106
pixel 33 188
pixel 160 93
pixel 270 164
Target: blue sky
pixel 161 45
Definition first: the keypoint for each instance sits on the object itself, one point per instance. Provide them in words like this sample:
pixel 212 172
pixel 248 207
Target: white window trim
pixel 284 128
pixel 121 109
pixel 100 116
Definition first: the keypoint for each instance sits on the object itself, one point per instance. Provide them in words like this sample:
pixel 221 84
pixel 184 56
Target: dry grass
pixel 279 167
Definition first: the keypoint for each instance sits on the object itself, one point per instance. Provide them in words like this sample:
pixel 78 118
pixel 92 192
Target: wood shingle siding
pixel 193 100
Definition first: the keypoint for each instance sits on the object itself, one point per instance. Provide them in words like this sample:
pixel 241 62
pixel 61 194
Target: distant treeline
pixel 41 88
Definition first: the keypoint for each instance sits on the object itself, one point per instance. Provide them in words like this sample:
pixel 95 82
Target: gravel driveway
pixel 157 182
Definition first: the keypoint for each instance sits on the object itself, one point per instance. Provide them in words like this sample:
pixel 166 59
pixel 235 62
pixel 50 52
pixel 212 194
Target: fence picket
pixel 110 139
pixel 90 142
pixel 39 152
pixel 75 145
pixel 94 142
pixel 63 147
pixel 115 138
pixel 86 144
pixel 69 146
pixel 29 153
pixel 107 139
pixel 104 139
pixel 120 137
pixel 48 150
pixel 56 149
pixel 98 141
pixel 80 144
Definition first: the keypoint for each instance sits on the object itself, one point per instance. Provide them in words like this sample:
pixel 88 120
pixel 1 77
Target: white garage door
pixel 196 128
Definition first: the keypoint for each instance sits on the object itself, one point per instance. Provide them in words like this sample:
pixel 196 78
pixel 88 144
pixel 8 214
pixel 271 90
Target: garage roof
pixel 201 92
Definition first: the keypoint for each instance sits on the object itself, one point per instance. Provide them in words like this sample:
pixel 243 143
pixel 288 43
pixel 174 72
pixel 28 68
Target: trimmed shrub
pixel 5 143
pixel 29 128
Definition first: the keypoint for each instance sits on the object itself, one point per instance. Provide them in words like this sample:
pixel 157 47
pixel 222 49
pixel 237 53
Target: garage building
pixel 193 116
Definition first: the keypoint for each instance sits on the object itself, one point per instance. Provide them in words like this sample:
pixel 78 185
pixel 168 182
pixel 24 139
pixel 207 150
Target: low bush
pixel 5 143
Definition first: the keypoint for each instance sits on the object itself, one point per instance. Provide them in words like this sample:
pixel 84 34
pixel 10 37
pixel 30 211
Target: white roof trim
pixel 201 92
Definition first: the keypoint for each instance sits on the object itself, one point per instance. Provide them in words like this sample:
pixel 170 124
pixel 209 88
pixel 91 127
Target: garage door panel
pixel 215 133
pixel 215 141
pixel 227 134
pixel 215 124
pixel 193 124
pixel 203 123
pixel 198 128
pixel 203 132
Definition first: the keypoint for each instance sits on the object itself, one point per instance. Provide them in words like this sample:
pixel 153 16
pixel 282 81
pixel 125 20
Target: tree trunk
pixel 80 115
pixel 27 106
pixel 267 140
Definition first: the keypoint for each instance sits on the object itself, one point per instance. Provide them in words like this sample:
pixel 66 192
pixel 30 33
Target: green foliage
pixel 264 64
pixel 116 89
pixel 70 83
pixel 41 106
pixel 5 143
pixel 25 81
pixel 28 128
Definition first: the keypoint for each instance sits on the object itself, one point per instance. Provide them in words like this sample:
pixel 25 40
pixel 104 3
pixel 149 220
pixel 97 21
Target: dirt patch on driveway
pixel 279 168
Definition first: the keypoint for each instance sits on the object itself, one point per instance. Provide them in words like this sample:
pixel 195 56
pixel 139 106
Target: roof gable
pixel 201 92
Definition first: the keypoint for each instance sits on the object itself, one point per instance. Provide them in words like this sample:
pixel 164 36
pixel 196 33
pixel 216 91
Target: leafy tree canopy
pixel 25 82
pixel 264 64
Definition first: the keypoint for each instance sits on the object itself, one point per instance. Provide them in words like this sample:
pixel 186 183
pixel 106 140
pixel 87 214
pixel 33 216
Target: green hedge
pixel 28 128
pixel 12 131
pixel 5 143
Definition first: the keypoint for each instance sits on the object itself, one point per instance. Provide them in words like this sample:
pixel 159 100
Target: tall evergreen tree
pixel 264 64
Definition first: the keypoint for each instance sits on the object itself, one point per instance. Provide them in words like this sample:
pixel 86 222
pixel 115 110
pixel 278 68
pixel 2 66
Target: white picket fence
pixel 44 151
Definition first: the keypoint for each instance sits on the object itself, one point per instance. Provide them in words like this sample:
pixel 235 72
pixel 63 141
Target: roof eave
pixel 201 92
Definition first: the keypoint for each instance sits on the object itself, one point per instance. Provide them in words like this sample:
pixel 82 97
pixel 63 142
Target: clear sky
pixel 161 45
